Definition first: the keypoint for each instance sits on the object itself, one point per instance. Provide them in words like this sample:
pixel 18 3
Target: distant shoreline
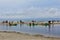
pixel 32 22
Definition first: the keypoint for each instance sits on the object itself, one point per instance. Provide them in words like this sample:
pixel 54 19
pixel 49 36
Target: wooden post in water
pixel 20 21
pixel 52 21
pixel 49 22
pixel 6 21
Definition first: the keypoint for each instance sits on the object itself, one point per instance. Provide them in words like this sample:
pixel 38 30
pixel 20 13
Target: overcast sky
pixel 29 8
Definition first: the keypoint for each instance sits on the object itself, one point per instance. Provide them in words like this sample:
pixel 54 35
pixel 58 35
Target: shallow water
pixel 51 30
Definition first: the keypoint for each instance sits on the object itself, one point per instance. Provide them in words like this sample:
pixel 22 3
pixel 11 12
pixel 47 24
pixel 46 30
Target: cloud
pixel 34 12
pixel 42 12
pixel 29 8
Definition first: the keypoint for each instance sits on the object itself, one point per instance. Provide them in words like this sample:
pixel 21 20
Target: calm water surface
pixel 51 30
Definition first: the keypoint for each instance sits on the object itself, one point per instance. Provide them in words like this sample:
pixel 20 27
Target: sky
pixel 29 8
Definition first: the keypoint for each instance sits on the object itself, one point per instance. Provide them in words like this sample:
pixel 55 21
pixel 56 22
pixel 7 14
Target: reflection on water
pixel 50 29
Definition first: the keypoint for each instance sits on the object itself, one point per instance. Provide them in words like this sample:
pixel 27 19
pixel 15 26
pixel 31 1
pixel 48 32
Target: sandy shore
pixel 20 36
